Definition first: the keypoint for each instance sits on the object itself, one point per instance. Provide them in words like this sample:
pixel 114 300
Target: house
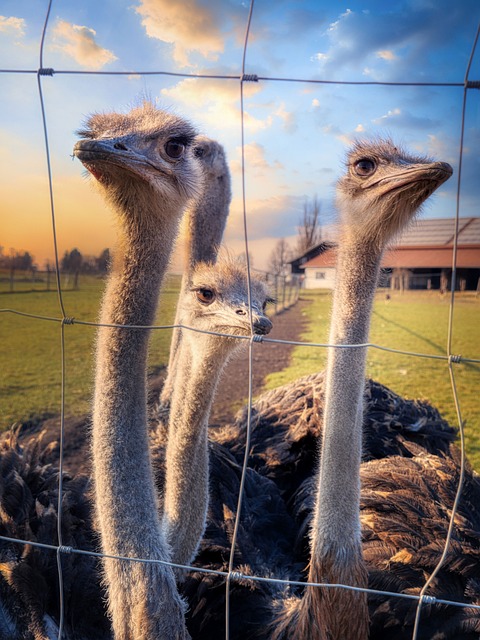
pixel 421 259
pixel 297 263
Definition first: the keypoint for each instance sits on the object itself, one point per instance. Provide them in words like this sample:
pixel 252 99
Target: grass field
pixel 30 363
pixel 30 366
pixel 415 322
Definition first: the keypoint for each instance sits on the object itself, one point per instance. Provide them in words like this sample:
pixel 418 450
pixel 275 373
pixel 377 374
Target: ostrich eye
pixel 365 167
pixel 174 149
pixel 205 296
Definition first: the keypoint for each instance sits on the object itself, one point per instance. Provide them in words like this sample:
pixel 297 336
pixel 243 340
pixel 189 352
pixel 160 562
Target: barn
pixel 421 259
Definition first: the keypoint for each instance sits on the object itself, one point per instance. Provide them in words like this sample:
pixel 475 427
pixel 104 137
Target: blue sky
pixel 296 134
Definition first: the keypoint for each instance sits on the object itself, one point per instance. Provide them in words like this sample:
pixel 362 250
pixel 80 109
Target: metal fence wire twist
pixel 451 360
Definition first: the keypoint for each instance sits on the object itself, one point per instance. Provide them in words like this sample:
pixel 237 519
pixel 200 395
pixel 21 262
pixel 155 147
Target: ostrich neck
pixel 125 496
pixel 336 552
pixel 199 367
pixel 338 492
pixel 206 224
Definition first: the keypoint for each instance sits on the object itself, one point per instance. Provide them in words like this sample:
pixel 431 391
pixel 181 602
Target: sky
pixel 296 133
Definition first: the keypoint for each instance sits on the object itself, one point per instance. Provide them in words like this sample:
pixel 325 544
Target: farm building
pixel 421 259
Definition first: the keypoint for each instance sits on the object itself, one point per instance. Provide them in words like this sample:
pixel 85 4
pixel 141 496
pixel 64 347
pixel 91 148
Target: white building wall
pixel 319 278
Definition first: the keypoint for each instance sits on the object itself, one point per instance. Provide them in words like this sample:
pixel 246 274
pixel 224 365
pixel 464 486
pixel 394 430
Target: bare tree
pixel 279 258
pixel 309 229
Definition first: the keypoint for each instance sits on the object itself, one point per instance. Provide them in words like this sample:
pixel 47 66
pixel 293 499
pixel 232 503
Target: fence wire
pixel 451 359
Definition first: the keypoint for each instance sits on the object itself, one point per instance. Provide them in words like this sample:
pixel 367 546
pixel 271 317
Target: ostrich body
pixel 29 599
pixel 206 219
pixel 145 167
pixel 287 421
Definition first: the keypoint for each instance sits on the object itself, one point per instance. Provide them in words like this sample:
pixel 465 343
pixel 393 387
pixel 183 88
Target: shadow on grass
pixel 427 341
pixel 431 343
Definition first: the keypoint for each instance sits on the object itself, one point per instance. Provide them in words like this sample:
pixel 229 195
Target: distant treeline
pixel 72 262
pixel 18 266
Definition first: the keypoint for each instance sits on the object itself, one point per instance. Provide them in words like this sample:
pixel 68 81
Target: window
pixel 319 275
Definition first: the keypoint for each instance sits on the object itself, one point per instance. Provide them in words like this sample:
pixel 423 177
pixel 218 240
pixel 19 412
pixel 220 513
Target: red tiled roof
pixel 418 257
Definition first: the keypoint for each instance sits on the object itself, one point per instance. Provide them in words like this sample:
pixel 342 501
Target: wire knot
pixel 428 599
pixel 249 77
pixel 47 71
pixel 64 549
pixel 236 575
pixel 68 320
pixel 455 359
pixel 257 338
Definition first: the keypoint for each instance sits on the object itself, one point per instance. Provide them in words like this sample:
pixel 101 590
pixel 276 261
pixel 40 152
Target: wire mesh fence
pixel 286 291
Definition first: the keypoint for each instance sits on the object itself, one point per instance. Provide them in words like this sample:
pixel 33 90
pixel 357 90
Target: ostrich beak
pixel 262 325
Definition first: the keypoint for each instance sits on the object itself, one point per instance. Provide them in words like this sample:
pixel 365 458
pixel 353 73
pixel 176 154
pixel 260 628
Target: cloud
pixel 217 103
pixel 400 118
pixel 188 25
pixel 345 138
pixel 80 43
pixel 12 25
pixel 287 117
pixel 403 39
pixel 255 158
pixel 386 55
pixel 274 216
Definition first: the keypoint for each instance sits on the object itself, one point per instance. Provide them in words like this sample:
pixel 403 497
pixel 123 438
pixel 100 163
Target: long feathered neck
pixel 126 501
pixel 206 223
pixel 201 359
pixel 336 552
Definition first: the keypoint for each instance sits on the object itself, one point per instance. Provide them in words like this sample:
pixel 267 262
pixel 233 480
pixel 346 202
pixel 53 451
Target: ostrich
pixel 206 217
pixel 215 299
pixel 380 193
pixel 144 165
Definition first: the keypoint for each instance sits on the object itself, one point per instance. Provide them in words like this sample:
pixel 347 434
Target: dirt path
pixel 231 394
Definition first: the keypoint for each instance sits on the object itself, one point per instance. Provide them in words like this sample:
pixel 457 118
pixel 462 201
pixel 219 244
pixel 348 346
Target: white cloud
pixel 255 158
pixel 217 103
pixel 406 36
pixel 393 113
pixel 359 128
pixel 402 118
pixel 288 118
pixel 13 25
pixel 79 43
pixel 187 25
pixel 385 54
pixel 279 213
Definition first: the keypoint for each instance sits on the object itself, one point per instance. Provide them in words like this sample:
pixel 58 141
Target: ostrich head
pixel 383 188
pixel 212 155
pixel 217 300
pixel 143 157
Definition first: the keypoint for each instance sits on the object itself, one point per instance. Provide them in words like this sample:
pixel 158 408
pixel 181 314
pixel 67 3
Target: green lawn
pixel 30 366
pixel 30 357
pixel 415 322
